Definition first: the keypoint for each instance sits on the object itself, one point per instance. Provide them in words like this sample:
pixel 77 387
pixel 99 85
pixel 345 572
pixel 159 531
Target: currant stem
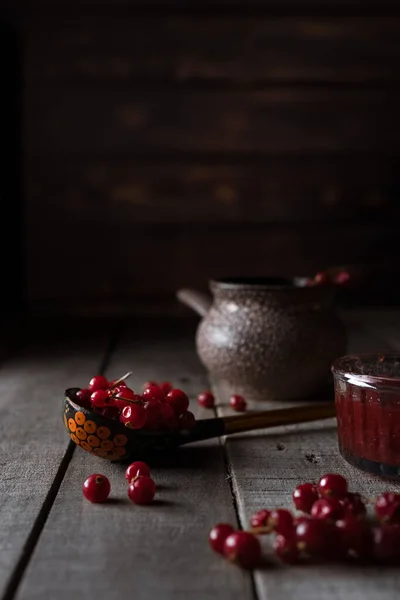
pixel 126 376
pixel 126 399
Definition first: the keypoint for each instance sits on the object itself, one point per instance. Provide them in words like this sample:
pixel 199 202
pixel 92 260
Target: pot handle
pixel 198 301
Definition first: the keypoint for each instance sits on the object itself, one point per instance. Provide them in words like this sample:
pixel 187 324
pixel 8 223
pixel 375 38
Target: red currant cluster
pixel 334 526
pixel 158 407
pixel 141 489
pixel 207 400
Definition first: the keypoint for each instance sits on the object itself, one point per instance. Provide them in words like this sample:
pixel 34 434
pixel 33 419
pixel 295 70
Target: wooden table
pixel 54 544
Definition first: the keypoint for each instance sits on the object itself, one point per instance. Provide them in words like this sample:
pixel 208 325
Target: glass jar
pixel 367 396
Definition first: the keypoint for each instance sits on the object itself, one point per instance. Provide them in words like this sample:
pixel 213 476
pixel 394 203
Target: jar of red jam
pixel 367 396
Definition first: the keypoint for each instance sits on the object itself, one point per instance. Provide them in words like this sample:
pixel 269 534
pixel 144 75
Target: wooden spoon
pixel 110 439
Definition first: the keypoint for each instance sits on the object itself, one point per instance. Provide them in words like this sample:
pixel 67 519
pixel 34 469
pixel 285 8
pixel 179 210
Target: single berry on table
pixel 153 414
pixel 286 549
pixel 142 490
pixel 133 416
pixel 218 535
pixel 386 543
pixel 178 401
pixel 281 521
pixel 387 507
pixel 261 519
pixel 243 548
pixel 187 421
pixel 330 509
pixel 96 488
pixel 206 400
pixel 238 403
pixel 100 399
pixel 353 504
pixel 166 387
pixel 153 392
pixel 332 484
pixel 304 497
pixel 98 383
pixel 137 469
pixel 355 537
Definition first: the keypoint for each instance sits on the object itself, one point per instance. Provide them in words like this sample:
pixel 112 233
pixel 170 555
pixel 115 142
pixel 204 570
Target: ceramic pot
pixel 268 339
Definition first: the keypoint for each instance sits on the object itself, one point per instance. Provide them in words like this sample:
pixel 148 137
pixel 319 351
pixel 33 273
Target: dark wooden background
pixel 164 143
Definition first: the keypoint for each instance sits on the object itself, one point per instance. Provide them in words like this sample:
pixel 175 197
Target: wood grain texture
pixel 145 552
pixel 156 260
pixel 226 51
pixel 265 467
pixel 33 440
pixel 273 189
pixel 130 120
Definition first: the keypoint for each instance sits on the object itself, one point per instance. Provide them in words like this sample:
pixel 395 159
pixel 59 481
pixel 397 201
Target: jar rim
pixel 351 368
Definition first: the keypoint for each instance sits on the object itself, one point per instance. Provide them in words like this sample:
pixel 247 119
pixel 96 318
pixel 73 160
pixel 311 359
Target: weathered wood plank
pixel 32 441
pixel 160 551
pixel 81 120
pixel 276 189
pixel 143 256
pixel 265 468
pixel 224 50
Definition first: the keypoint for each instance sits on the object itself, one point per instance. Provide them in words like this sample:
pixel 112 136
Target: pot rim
pixel 262 283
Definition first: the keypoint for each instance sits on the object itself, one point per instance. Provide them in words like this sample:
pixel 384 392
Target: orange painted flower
pixel 86 446
pixel 120 439
pixel 81 433
pixel 74 438
pixel 120 451
pixel 71 425
pixel 93 441
pixel 103 432
pixel 90 427
pixel 106 445
pixel 80 418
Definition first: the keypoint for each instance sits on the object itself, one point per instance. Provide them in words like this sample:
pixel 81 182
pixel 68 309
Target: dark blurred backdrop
pixel 153 145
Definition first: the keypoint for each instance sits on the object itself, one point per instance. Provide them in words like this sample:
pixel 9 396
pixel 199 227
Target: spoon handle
pixel 282 416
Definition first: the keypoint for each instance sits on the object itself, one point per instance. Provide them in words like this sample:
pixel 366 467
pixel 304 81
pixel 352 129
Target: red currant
pixel 178 401
pixel 137 469
pixel 281 521
pixel 387 507
pixel 313 537
pixel 286 549
pixel 300 519
pixel 304 496
pixel 355 537
pixel 243 548
pixel 187 421
pixel 133 416
pixel 96 488
pixel 238 403
pixel 353 504
pixel 169 420
pixel 109 412
pixel 142 490
pixel 153 414
pixel 206 399
pixel 218 535
pixel 125 397
pixel 98 383
pixel 113 384
pixel 83 398
pixel 321 278
pixel 329 509
pixel 342 278
pixel 148 384
pixel 166 387
pixel 261 519
pixel 332 485
pixel 386 543
pixel 153 392
pixel 100 399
